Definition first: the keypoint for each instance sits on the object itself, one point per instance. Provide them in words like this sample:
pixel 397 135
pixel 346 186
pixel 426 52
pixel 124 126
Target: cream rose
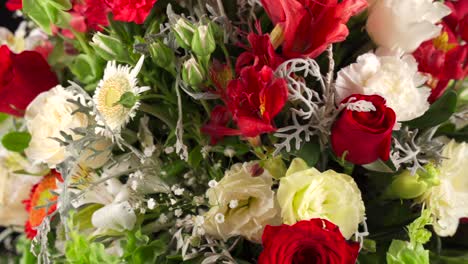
pixel 242 203
pixel 49 114
pixel 404 24
pixel 448 201
pixel 305 193
pixel 395 79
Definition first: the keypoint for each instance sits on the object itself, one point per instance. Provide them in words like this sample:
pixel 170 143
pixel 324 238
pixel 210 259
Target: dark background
pixel 6 17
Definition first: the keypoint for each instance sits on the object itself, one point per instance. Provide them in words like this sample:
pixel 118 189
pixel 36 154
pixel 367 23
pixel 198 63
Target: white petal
pixel 118 217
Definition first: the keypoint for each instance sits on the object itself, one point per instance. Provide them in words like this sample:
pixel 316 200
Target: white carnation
pixel 256 206
pixel 394 78
pixel 47 115
pixel 404 24
pixel 448 201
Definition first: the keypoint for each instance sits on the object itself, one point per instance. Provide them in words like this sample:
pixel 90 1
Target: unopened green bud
pixel 275 166
pixel 183 31
pixel 203 42
pixel 161 54
pixel 108 47
pixel 193 73
pixel 407 186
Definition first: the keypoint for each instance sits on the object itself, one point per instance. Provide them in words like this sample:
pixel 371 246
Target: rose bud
pixel 203 42
pixel 363 130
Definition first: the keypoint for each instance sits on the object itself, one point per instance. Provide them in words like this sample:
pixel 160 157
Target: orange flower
pixel 40 196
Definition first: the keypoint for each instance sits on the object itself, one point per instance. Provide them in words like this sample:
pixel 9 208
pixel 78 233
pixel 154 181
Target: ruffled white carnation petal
pixel 394 78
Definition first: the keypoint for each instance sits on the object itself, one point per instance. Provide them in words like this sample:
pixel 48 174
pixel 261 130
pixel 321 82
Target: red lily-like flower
pixel 458 19
pixel 310 26
pixel 443 59
pixel 253 100
pixel 260 53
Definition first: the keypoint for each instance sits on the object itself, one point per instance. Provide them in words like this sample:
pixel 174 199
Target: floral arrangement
pixel 247 131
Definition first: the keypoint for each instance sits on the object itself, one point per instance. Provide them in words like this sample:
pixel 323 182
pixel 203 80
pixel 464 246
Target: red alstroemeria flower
pixel 217 126
pixel 458 19
pixel 14 5
pixel 22 77
pixel 443 59
pixel 260 53
pixel 253 100
pixel 310 26
pixel 131 10
pixel 41 195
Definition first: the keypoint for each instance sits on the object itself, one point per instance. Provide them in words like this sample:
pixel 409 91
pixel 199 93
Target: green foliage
pixel 23 246
pixel 402 252
pixel 310 152
pixel 128 100
pixel 16 141
pixel 3 117
pixel 48 12
pixel 139 249
pixel 79 250
pixel 413 252
pixel 439 112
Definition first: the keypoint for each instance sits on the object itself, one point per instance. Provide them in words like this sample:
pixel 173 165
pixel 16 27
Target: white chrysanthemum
pixel 394 78
pixel 117 80
pixel 404 24
pixel 256 206
pixel 448 201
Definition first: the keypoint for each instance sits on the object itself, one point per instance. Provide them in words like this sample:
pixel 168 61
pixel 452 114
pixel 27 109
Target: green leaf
pixel 379 166
pixel 310 152
pixel 195 157
pixel 439 112
pixel 3 117
pixel 16 141
pixel 48 12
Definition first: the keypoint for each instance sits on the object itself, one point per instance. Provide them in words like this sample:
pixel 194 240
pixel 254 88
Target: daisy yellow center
pixel 110 93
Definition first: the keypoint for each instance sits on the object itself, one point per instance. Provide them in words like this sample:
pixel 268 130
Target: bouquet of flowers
pixel 240 131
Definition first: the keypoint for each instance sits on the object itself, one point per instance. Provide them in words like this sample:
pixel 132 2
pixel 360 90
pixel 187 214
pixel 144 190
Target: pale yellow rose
pixel 306 193
pixel 242 203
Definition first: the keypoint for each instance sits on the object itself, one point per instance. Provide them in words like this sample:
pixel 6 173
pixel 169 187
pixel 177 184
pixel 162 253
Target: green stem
pixel 82 42
pixel 156 113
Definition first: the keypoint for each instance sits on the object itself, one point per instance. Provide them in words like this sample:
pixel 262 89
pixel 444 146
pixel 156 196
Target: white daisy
pixel 117 80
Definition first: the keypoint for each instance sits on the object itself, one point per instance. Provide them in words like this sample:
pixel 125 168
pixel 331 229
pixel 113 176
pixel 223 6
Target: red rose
pixel 314 241
pixel 14 5
pixel 310 26
pixel 131 10
pixel 22 77
pixel 363 129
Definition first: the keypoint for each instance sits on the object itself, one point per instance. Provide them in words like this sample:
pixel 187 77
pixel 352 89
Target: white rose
pixel 448 201
pixel 394 78
pixel 241 204
pixel 404 24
